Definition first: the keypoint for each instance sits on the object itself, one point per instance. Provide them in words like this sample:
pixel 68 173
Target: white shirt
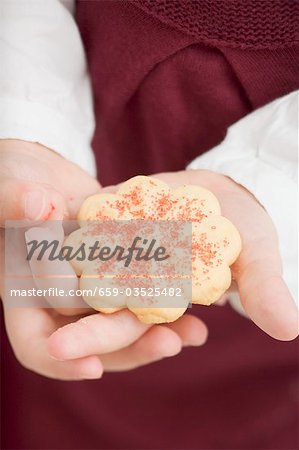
pixel 45 97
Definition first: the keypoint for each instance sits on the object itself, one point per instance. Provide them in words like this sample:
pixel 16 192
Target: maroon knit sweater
pixel 168 78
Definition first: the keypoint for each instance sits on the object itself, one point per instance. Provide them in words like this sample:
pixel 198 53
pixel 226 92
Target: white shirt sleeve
pixel 260 152
pixel 45 93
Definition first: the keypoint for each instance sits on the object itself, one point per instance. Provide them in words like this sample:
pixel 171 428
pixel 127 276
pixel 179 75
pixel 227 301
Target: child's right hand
pixel 37 183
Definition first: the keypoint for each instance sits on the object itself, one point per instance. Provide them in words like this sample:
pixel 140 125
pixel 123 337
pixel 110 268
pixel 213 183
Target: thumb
pixel 264 294
pixel 26 200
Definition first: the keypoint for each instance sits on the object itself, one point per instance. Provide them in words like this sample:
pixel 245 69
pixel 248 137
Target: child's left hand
pixel 258 270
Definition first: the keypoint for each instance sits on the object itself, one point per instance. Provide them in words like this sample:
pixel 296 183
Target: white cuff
pixel 45 92
pixel 34 122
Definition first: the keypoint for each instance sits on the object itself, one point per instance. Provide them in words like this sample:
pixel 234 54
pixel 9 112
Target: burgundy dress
pixel 168 78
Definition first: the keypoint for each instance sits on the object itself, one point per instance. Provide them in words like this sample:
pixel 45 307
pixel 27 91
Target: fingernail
pixel 91 373
pixel 91 376
pixel 193 344
pixel 56 359
pixel 34 204
pixel 196 342
pixel 172 351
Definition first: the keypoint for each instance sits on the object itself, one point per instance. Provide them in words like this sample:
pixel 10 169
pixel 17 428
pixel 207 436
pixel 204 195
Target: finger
pixel 56 278
pixel 222 300
pixel 28 331
pixel 25 200
pixel 263 292
pixel 96 334
pixel 174 179
pixel 157 343
pixel 190 329
pixel 109 189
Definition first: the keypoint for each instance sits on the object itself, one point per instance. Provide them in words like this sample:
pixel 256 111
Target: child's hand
pixel 258 272
pixel 56 189
pixel 37 183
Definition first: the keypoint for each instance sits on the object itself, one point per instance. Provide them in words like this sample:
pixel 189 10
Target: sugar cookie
pixel 216 243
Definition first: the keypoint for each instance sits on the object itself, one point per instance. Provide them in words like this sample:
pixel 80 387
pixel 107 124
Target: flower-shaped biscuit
pixel 216 243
